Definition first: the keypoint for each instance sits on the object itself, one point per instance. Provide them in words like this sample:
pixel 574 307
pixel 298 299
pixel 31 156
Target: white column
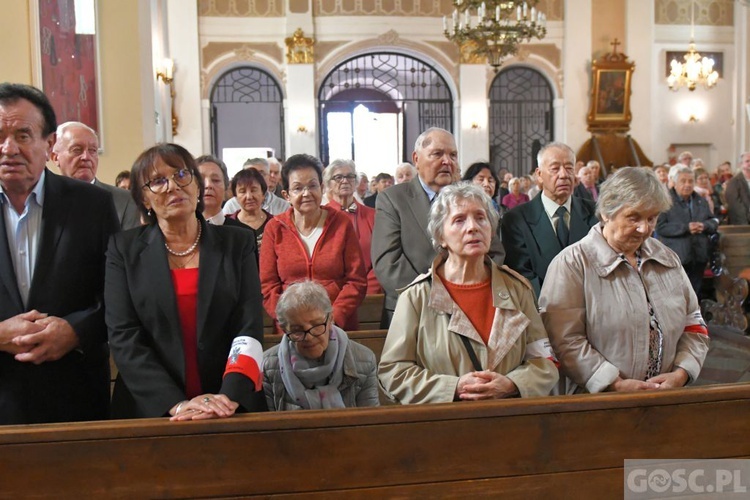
pixel 576 68
pixel 184 50
pixel 742 61
pixel 473 131
pixel 638 46
pixel 300 110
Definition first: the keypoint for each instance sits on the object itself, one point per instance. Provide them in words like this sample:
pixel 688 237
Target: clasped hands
pixel 695 227
pixel 203 407
pixel 35 337
pixel 677 378
pixel 486 384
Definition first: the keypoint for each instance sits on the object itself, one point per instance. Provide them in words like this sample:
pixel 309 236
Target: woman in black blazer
pixel 177 293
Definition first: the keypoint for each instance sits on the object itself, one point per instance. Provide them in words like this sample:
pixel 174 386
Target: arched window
pixel 372 108
pixel 520 118
pixel 247 110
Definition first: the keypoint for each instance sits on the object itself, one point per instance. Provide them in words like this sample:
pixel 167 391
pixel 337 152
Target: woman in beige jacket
pixel 618 307
pixel 468 329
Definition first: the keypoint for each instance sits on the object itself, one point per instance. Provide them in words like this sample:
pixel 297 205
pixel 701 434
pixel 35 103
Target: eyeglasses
pixel 339 178
pixel 312 188
pixel 315 331
pixel 159 185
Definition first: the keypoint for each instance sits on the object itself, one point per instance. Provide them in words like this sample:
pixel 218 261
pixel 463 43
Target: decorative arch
pixel 246 110
pixel 521 117
pixel 414 89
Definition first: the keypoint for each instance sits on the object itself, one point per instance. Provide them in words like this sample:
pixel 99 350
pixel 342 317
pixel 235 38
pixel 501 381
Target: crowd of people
pixel 495 286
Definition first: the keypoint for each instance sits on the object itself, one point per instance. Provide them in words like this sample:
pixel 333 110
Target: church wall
pixel 122 103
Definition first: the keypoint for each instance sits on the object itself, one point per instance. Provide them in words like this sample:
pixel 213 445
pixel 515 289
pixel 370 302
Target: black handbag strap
pixel 472 354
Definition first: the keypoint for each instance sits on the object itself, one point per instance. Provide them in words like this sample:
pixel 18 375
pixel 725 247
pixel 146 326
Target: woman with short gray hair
pixel 619 309
pixel 444 343
pixel 315 365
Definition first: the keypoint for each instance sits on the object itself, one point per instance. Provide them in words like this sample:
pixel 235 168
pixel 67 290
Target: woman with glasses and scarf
pixel 315 365
pixel 340 179
pixel 177 293
pixel 315 242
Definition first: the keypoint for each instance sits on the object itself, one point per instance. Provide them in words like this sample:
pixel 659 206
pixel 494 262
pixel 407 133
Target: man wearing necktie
pixel 535 232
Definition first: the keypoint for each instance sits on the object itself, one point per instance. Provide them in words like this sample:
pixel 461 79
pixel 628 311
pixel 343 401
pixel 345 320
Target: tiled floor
pixel 728 358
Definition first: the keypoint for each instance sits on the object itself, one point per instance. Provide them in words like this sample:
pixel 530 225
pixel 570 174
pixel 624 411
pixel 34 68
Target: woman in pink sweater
pixel 315 242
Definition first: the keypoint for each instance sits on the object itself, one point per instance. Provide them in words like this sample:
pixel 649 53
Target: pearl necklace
pixel 189 250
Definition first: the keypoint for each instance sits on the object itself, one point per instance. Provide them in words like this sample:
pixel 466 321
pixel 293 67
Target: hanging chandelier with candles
pixel 494 28
pixel 695 70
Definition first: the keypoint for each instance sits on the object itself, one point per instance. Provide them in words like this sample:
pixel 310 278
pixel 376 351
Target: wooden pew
pixel 567 445
pixel 731 287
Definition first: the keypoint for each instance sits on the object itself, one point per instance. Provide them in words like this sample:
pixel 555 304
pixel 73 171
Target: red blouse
pixel 186 291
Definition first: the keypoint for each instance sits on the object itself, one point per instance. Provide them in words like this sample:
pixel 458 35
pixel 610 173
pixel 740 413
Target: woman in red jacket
pixel 315 242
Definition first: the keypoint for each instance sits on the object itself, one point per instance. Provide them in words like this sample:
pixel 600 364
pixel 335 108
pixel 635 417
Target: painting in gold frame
pixel 610 93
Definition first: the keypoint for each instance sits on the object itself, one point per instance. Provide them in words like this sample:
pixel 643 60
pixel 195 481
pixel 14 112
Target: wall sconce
pixel 474 126
pixel 165 74
pixel 693 119
pixel 302 129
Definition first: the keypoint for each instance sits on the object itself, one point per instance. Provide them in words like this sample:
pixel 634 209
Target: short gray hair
pixel 422 141
pixel 513 182
pixel 65 126
pixel 336 164
pixel 554 145
pixel 257 161
pixel 674 173
pixel 301 296
pixel 448 197
pixel 632 187
pixel 593 163
pixel 406 165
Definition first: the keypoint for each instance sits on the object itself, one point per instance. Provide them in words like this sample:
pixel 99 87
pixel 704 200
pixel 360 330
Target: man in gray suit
pixel 401 246
pixel 535 232
pixel 737 193
pixel 76 153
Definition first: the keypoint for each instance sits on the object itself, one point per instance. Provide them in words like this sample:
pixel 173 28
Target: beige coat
pixel 594 308
pixel 424 356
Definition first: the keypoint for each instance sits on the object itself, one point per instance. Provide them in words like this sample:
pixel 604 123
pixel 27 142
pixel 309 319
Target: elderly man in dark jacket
pixel 685 228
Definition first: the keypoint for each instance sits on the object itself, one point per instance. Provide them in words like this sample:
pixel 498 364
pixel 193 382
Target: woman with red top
pixel 340 178
pixel 468 329
pixel 315 242
pixel 177 293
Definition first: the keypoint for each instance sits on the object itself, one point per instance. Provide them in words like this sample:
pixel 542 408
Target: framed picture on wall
pixel 67 59
pixel 610 93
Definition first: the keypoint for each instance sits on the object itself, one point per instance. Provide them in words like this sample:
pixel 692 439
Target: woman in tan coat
pixel 468 329
pixel 618 307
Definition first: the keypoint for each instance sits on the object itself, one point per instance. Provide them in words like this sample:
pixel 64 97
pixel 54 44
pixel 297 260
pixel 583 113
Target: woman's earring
pixel 150 212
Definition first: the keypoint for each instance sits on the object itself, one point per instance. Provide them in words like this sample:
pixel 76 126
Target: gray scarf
pixel 311 384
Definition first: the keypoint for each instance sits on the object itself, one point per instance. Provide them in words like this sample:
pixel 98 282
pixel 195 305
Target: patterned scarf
pixel 314 384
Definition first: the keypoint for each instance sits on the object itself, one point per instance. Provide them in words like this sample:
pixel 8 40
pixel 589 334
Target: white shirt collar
pixel 218 219
pixel 551 207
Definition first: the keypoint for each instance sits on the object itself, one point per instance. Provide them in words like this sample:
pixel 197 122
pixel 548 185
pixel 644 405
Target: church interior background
pixel 362 78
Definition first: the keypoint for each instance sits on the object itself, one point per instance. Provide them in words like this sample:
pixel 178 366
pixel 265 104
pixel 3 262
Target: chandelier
pixel 494 28
pixel 695 69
